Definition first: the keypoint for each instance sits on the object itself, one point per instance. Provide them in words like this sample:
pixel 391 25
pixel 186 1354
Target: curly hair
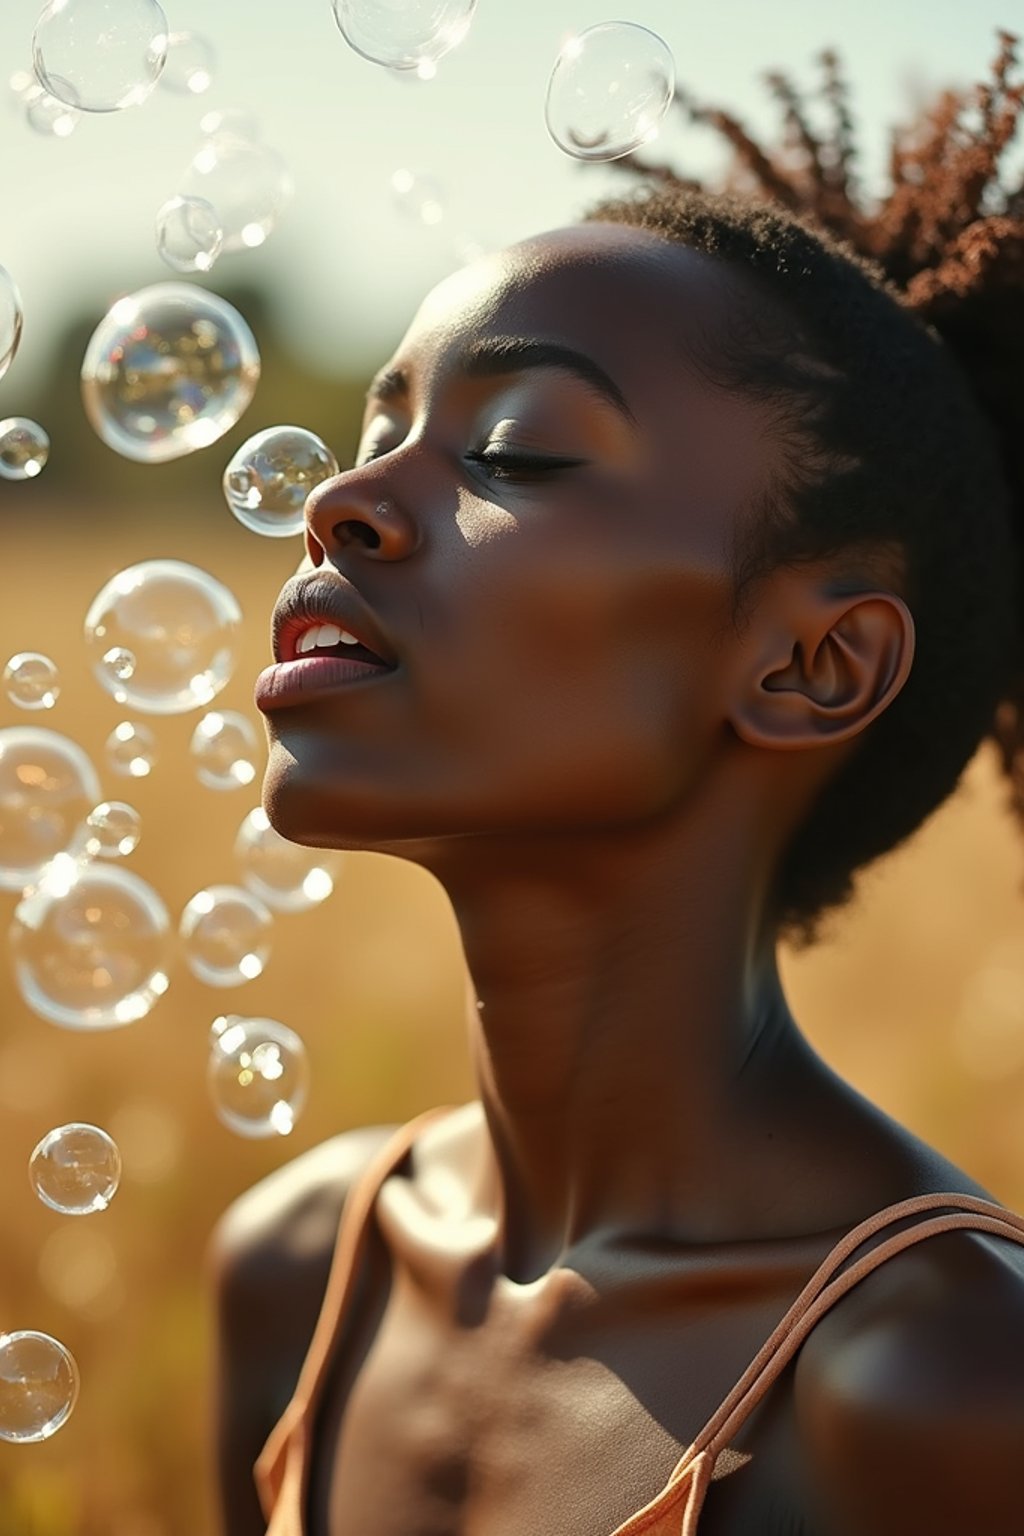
pixel 887 345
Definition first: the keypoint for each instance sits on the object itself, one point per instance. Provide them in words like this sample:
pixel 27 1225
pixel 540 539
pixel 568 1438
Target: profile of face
pixel 535 536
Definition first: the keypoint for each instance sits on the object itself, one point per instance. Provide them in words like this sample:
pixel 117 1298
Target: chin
pixel 327 808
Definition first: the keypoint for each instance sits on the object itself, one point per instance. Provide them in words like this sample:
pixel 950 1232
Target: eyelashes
pixel 503 466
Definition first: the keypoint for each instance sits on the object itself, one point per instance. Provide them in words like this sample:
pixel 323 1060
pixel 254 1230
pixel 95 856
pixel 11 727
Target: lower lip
pixel 290 682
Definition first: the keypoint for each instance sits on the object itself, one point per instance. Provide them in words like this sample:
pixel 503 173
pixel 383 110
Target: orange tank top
pixel 282 1471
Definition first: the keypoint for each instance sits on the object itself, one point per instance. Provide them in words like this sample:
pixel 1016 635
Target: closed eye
pixel 503 466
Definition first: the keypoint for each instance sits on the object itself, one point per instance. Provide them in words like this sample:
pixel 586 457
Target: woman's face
pixel 536 532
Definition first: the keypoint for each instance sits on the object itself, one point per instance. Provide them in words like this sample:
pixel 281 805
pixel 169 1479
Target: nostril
pixel 360 532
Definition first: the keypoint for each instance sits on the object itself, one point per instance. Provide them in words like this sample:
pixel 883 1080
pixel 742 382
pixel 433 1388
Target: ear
pixel 824 667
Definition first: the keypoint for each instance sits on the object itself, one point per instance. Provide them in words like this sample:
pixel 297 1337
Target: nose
pixel 342 513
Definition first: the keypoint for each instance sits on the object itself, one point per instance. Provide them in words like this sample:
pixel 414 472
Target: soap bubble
pixel 47 788
pixel 189 67
pixel 225 934
pixel 247 182
pixel 112 830
pixel 38 1386
pixel 100 55
pixel 268 479
pixel 168 370
pixel 179 626
pixel 131 750
pixel 91 945
pixel 224 748
pixel 233 120
pixel 258 1076
pixel 418 196
pixel 75 1169
pixel 287 876
pixel 48 115
pixel 188 234
pixel 609 90
pixel 413 35
pixel 10 319
pixel 24 448
pixel 31 681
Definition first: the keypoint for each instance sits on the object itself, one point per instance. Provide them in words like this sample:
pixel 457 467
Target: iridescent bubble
pixel 24 448
pixel 75 1169
pixel 91 945
pixel 258 1076
pixel 269 478
pixel 287 876
pixel 418 196
pixel 224 748
pixel 179 626
pixel 233 120
pixel 168 370
pixel 247 182
pixel 131 750
pixel 190 63
pixel 38 1386
pixel 112 830
pixel 609 90
pixel 10 319
pixel 31 681
pixel 100 55
pixel 188 234
pixel 47 788
pixel 412 34
pixel 225 934
pixel 48 115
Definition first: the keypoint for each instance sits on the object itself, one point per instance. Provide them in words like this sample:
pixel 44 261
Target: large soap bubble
pixel 75 1169
pixel 247 182
pixel 11 317
pixel 100 55
pixel 287 876
pixel 609 90
pixel 48 786
pixel 179 624
pixel 38 1386
pixel 258 1075
pixel 412 34
pixel 91 945
pixel 168 370
pixel 271 475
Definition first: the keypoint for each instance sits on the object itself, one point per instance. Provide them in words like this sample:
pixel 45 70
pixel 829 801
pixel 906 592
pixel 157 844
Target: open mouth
pixel 326 639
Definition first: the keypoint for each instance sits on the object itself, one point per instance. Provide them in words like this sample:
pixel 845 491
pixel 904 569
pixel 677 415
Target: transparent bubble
pixel 404 34
pixel 419 197
pixel 131 750
pixel 224 749
pixel 268 479
pixel 168 370
pixel 225 934
pixel 609 90
pixel 188 234
pixel 75 1169
pixel 100 55
pixel 48 115
pixel 190 63
pixel 258 1076
pixel 91 945
pixel 112 830
pixel 38 1386
pixel 21 82
pixel 10 319
pixel 24 448
pixel 247 182
pixel 287 876
pixel 174 632
pixel 47 788
pixel 233 120
pixel 31 681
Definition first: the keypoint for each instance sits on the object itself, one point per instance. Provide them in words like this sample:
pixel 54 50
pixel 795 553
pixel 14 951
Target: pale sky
pixel 346 269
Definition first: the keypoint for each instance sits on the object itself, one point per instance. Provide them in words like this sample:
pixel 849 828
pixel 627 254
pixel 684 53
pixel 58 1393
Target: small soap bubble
pixel 225 934
pixel 258 1076
pixel 47 788
pixel 75 1169
pixel 38 1386
pixel 268 480
pixel 411 35
pixel 112 830
pixel 100 55
pixel 21 83
pixel 91 945
pixel 610 88
pixel 24 448
pixel 233 120
pixel 10 319
pixel 168 370
pixel 188 234
pixel 48 115
pixel 172 631
pixel 287 876
pixel 190 63
pixel 418 196
pixel 224 749
pixel 31 681
pixel 247 182
pixel 131 750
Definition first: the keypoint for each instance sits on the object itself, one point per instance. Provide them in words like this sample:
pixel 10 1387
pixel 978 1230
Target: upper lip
pixel 321 598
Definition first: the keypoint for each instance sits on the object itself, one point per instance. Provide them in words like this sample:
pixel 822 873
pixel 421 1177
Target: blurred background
pixel 918 998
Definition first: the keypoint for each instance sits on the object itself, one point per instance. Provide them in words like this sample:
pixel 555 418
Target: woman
pixel 677 580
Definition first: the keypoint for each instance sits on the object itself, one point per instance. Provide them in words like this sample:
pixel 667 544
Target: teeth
pixel 323 637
